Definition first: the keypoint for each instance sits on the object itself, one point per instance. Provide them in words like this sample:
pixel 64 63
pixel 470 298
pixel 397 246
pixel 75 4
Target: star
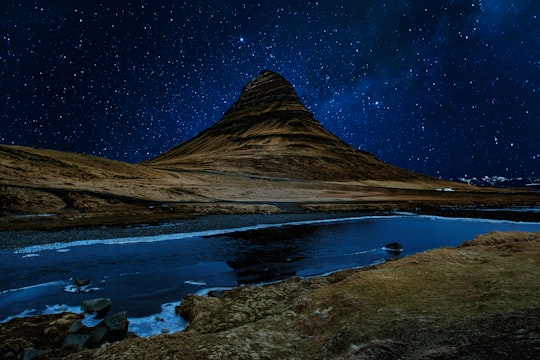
pixel 419 84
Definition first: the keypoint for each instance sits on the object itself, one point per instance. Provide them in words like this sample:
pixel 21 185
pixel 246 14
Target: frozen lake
pixel 148 276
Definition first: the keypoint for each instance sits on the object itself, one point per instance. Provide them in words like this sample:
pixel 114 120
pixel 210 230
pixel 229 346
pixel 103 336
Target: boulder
pixel 76 326
pixel 393 248
pixel 32 353
pixel 113 328
pixel 99 306
pixel 82 282
pixel 76 340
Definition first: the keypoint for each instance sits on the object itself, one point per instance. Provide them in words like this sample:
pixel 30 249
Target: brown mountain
pixel 269 132
pixel 266 155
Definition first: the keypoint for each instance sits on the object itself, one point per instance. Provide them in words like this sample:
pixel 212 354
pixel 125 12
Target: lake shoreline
pixel 12 240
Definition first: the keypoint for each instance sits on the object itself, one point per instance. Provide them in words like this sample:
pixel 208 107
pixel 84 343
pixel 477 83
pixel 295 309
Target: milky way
pixel 447 88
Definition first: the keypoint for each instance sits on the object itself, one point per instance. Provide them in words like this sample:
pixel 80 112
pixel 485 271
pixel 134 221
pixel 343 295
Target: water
pixel 147 276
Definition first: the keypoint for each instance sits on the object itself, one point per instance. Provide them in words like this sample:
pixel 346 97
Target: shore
pixel 10 240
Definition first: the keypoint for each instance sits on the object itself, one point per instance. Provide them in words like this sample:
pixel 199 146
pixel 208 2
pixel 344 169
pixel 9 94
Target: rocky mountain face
pixel 269 132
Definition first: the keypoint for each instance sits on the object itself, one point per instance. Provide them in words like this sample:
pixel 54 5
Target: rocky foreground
pixel 477 301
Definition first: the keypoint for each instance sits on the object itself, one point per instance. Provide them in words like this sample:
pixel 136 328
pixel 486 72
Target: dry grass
pixel 429 298
pixel 84 190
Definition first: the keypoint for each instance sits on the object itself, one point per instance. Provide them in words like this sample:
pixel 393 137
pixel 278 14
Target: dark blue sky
pixel 448 88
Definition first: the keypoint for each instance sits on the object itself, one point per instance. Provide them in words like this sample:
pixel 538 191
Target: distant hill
pixel 269 132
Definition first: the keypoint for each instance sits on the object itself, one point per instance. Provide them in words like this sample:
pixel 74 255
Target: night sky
pixel 448 88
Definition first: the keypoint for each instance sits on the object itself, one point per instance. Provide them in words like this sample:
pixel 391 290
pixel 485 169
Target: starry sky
pixel 448 88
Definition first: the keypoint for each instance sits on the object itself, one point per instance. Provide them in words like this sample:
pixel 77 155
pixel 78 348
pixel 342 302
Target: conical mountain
pixel 269 132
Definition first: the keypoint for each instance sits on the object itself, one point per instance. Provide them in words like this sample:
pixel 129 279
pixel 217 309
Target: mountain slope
pixel 268 132
pixel 43 165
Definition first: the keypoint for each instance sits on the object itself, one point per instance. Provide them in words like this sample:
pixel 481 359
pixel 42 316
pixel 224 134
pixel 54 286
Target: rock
pixel 117 322
pixel 82 282
pixel 78 340
pixel 393 248
pixel 113 328
pixel 33 353
pixel 76 326
pixel 99 306
pixel 53 336
pixel 51 331
pixel 66 320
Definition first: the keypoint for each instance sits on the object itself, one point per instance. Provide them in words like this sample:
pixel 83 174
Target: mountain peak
pixel 269 91
pixel 265 77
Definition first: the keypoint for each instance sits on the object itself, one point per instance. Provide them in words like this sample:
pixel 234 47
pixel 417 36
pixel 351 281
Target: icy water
pixel 148 276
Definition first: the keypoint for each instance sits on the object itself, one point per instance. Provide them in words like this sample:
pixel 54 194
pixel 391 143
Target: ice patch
pixel 64 246
pixel 195 282
pixel 392 250
pixel 73 288
pixel 33 287
pixel 364 252
pixel 130 273
pixel 178 236
pixel 30 256
pixel 478 220
pixel 166 322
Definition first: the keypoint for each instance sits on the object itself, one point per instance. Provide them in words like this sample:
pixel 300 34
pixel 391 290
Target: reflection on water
pixel 141 276
pixel 269 254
